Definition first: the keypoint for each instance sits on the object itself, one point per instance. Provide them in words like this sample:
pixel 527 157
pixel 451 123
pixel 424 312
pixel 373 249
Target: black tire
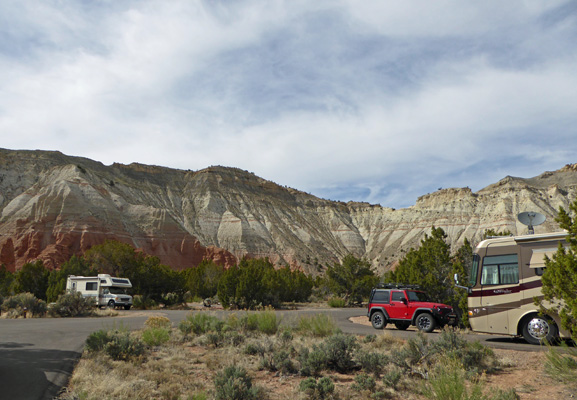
pixel 425 322
pixel 538 329
pixel 378 320
pixel 402 326
pixel 127 307
pixel 111 304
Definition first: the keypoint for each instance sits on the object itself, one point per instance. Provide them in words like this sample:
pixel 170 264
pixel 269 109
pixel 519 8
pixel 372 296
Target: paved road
pixel 37 356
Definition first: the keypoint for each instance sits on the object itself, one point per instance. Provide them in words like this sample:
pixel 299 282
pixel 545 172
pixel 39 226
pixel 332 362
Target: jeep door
pixel 398 309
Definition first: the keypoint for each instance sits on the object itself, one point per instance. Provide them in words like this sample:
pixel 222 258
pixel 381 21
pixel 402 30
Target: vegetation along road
pixel 38 355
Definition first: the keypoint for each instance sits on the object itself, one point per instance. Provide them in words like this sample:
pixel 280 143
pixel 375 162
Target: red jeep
pixel 405 305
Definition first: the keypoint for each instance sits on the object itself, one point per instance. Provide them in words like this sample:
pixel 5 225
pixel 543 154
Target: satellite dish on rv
pixel 531 219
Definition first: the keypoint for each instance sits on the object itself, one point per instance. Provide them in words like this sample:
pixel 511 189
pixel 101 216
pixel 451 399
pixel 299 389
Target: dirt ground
pixel 523 371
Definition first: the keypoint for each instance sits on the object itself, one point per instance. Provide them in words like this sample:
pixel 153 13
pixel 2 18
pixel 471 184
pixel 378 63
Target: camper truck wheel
pixel 537 329
pixel 127 307
pixel 111 304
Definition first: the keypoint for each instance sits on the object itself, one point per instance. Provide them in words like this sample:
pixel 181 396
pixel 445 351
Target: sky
pixel 375 101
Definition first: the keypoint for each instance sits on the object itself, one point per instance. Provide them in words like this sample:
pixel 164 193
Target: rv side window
pixel 474 270
pixel 91 286
pixel 500 270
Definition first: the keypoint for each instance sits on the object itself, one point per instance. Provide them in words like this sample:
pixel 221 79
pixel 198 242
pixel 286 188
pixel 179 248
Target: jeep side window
pixel 381 296
pixel 398 296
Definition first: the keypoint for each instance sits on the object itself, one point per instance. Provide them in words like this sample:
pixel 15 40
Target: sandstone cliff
pixel 53 206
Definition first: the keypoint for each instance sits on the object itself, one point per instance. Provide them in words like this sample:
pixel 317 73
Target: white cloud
pixel 350 100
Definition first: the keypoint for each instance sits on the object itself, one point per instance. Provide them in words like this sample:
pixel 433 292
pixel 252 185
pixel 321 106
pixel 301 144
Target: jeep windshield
pixel 417 296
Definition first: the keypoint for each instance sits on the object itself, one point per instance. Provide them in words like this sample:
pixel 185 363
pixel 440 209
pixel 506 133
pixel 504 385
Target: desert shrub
pixel 319 325
pixel 371 362
pixel 473 356
pixel 72 305
pixel 336 302
pixel 200 323
pixel 96 341
pixel 392 377
pixel 119 345
pixel 214 339
pixel 280 361
pixel 155 336
pixel 312 362
pixel 285 336
pixel 24 302
pixel 369 339
pixel 123 346
pixel 334 353
pixel 364 382
pixel 317 390
pixel 143 303
pixel 234 383
pixel 156 321
pixel 561 367
pixel 339 349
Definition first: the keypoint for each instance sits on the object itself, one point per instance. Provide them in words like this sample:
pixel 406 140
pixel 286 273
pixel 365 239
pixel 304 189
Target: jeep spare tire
pixel 378 320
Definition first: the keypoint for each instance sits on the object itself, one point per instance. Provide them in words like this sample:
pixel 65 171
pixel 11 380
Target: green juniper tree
pixel 560 275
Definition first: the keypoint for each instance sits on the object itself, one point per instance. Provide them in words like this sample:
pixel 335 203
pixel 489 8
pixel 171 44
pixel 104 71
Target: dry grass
pixel 185 368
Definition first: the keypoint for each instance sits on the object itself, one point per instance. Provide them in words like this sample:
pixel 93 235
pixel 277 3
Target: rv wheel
pixel 111 304
pixel 537 329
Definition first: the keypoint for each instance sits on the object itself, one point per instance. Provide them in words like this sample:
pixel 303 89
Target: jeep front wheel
pixel 425 322
pixel 378 320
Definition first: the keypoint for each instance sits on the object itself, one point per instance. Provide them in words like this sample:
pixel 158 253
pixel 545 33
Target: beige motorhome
pixel 504 280
pixel 107 291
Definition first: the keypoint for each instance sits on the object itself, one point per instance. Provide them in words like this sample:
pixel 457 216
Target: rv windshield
pixel 117 290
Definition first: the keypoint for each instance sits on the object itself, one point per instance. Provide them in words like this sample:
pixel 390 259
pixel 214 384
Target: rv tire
pixel 111 304
pixel 127 307
pixel 538 329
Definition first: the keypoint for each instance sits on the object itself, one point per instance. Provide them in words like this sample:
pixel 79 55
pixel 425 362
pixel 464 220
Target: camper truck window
pixel 500 270
pixel 91 286
pixel 116 290
pixel 474 270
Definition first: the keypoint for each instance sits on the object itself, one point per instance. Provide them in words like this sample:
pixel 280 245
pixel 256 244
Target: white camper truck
pixel 107 291
pixel 505 278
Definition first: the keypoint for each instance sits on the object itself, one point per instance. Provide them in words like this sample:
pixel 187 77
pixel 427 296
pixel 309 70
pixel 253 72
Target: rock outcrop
pixel 53 206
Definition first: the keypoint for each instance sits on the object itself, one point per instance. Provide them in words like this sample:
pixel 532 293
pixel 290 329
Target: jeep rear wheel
pixel 425 322
pixel 378 320
pixel 402 326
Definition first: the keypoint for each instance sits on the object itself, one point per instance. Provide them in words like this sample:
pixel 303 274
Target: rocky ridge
pixel 53 206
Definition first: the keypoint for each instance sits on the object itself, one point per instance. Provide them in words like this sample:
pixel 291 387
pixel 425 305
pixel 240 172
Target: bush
pixel 318 390
pixel 234 383
pixel 335 353
pixel 158 322
pixel 143 303
pixel 200 323
pixel 96 341
pixel 364 382
pixel 337 302
pixel 372 362
pixel 319 325
pixel 123 346
pixel 72 305
pixel 24 302
pixel 155 336
pixel 562 368
pixel 264 321
pixel 118 345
